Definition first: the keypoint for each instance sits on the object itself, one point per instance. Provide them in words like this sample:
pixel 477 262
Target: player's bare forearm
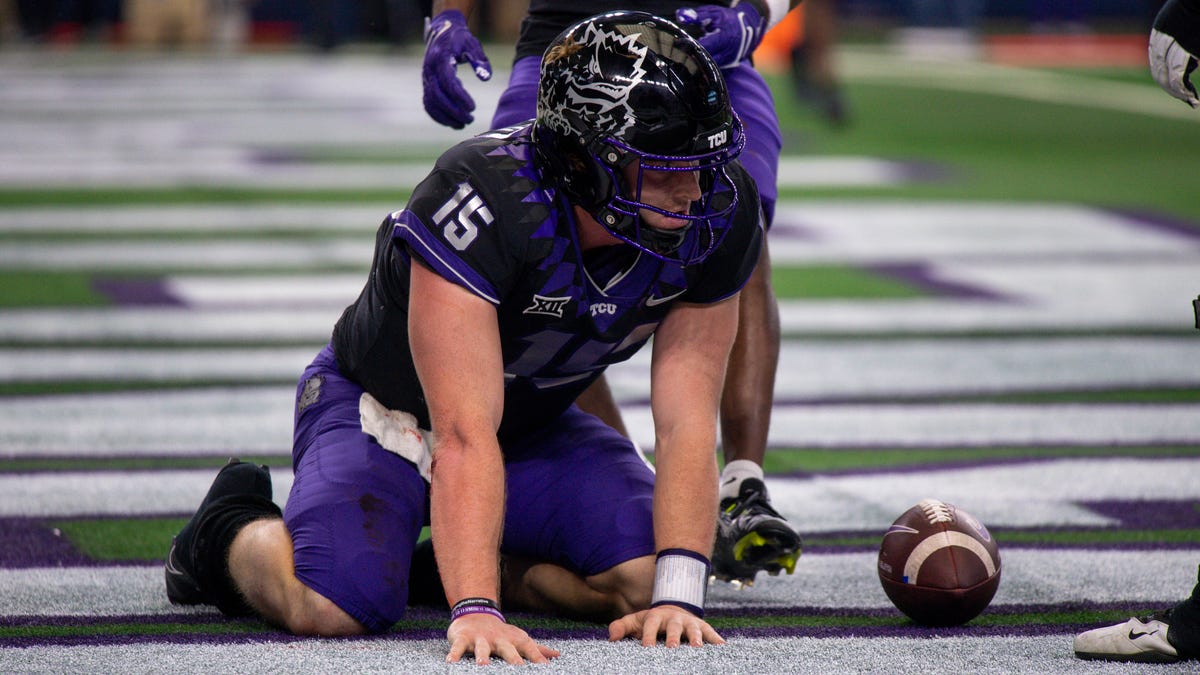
pixel 691 350
pixel 456 346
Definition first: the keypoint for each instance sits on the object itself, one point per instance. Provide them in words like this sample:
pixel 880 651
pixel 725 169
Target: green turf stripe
pixel 48 289
pixel 147 539
pixel 837 282
pixel 120 539
pixel 823 460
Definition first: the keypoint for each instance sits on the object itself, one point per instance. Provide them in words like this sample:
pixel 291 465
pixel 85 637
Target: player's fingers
pixel 651 627
pixel 695 634
pixel 622 628
pixel 483 651
pixel 674 631
pixel 547 653
pixel 457 649
pixel 509 652
pixel 710 634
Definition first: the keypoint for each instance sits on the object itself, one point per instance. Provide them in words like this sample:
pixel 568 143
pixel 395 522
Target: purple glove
pixel 448 42
pixel 730 34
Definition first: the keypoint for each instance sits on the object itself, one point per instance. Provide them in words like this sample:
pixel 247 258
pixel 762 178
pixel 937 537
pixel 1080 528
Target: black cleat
pixel 235 478
pixel 752 537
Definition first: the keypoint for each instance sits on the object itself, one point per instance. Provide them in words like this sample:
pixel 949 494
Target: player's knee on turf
pixel 314 614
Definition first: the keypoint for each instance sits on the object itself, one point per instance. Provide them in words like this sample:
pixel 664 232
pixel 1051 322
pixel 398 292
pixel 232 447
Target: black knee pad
pixel 217 526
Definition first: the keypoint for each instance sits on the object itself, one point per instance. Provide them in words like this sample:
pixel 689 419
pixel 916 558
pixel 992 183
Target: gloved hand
pixel 730 34
pixel 448 42
pixel 1174 44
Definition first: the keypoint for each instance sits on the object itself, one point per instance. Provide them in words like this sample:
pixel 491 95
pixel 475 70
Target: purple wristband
pixel 475 606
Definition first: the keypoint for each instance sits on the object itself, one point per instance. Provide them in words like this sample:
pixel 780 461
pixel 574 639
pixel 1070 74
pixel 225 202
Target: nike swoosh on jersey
pixel 653 301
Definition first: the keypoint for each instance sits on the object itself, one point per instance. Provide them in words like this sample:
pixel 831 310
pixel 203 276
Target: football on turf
pixel 938 564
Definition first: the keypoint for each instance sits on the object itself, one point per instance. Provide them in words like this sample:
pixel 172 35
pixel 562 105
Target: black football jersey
pixel 547 18
pixel 483 219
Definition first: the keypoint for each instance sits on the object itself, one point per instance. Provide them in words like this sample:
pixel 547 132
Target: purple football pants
pixel 749 95
pixel 578 494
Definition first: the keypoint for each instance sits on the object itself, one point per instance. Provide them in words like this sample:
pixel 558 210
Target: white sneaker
pixel 1138 640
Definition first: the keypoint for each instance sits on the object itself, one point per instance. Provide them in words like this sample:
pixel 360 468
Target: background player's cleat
pixel 1136 640
pixel 235 478
pixel 752 537
pixel 1168 636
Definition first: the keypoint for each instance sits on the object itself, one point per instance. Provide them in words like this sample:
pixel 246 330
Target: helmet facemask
pixel 707 218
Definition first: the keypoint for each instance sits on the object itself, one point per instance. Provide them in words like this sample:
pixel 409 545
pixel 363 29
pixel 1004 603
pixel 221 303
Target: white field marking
pixel 831 368
pixel 1039 294
pixel 892 231
pixel 839 172
pixel 153 365
pixel 259 419
pixel 119 98
pixel 231 168
pixel 242 420
pixel 827 580
pixel 356 218
pixel 966 425
pixel 889 67
pixel 807 369
pixel 170 324
pixel 993 655
pixel 117 493
pixel 1026 577
pixel 303 290
pixel 1032 494
pixel 210 255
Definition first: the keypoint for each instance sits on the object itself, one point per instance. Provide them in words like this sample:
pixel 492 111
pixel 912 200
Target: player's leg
pixel 1165 637
pixel 751 535
pixel 579 534
pixel 337 562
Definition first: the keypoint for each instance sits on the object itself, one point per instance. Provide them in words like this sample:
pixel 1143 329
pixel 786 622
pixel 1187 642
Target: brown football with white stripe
pixel 938 564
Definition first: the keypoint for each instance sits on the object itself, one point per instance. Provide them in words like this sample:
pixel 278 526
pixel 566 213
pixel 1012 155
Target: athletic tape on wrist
pixel 475 606
pixel 680 579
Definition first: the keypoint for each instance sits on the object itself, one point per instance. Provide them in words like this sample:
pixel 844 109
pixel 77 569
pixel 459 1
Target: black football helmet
pixel 625 87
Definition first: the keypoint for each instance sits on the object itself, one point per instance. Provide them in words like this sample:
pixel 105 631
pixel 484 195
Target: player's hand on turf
pixel 1174 44
pixel 448 42
pixel 484 636
pixel 730 34
pixel 676 624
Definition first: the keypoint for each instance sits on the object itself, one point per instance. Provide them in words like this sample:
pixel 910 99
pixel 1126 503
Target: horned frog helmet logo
pixel 593 90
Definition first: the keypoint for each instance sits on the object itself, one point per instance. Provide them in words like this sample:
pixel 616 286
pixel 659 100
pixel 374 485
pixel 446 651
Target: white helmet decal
pixel 608 102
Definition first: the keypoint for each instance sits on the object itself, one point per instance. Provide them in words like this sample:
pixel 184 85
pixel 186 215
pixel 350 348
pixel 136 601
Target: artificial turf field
pixel 985 284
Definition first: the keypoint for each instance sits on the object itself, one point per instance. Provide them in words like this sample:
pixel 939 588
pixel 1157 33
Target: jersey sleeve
pixel 729 267
pixel 452 227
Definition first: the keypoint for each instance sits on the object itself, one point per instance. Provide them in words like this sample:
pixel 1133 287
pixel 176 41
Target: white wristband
pixel 680 579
